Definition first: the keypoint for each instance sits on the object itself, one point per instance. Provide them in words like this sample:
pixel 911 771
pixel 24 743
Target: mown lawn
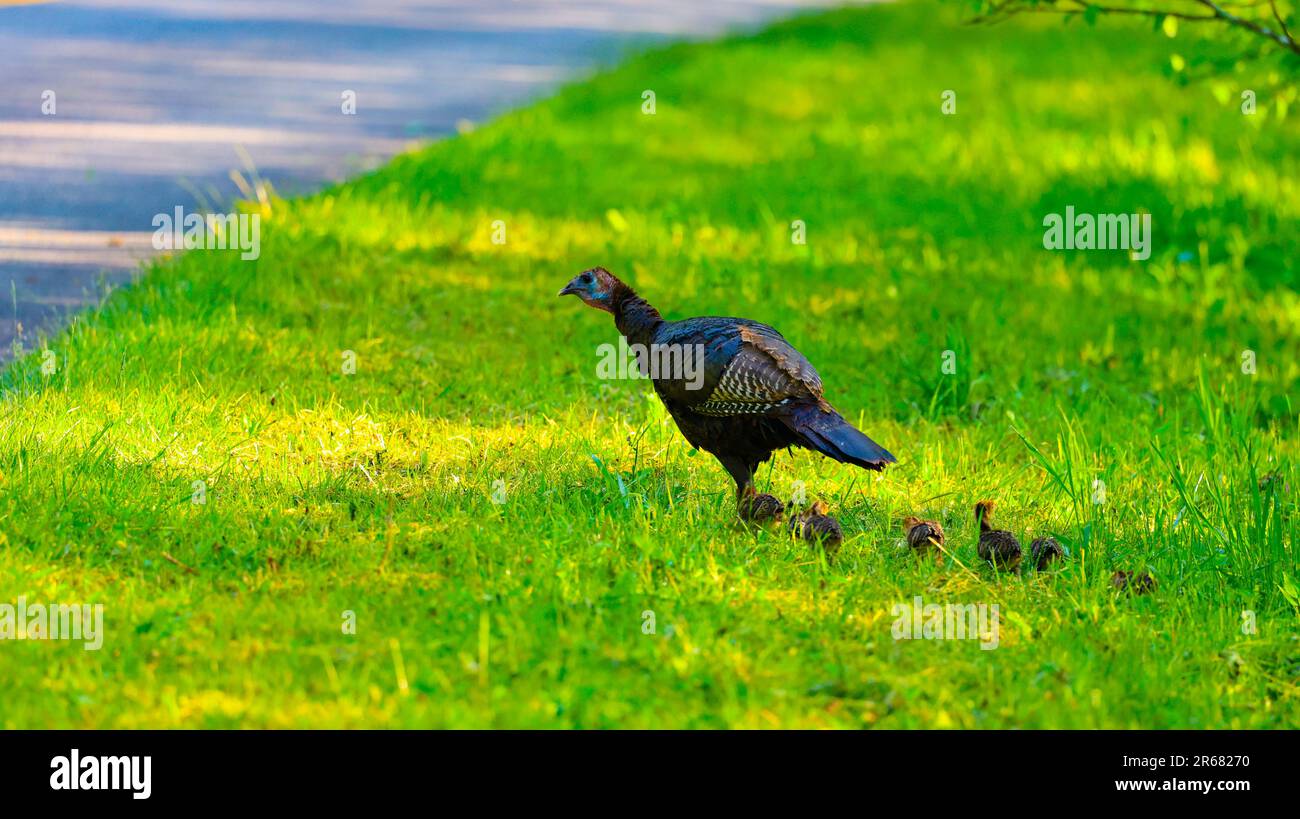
pixel 373 492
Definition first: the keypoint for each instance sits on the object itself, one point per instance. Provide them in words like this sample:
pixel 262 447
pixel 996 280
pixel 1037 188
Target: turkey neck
pixel 635 318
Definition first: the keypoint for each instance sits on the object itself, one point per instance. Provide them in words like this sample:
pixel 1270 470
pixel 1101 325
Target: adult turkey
pixel 756 394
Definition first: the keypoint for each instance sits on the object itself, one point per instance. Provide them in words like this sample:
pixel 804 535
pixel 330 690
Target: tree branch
pixel 1283 40
pixel 1282 37
pixel 1281 23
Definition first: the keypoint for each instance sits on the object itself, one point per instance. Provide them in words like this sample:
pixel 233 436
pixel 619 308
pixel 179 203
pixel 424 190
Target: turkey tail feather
pixel 828 433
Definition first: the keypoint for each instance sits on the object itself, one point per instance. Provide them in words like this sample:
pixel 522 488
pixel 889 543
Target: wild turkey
pixel 997 546
pixel 1133 582
pixel 757 394
pixel 924 535
pixel 758 507
pixel 815 526
pixel 1044 551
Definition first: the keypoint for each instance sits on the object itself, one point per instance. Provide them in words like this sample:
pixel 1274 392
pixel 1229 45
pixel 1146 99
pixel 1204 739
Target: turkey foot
pixel 758 508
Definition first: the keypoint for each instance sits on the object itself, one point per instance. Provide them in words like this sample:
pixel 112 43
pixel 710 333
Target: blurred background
pixel 159 103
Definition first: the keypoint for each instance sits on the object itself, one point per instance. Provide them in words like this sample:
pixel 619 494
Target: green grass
pixel 372 492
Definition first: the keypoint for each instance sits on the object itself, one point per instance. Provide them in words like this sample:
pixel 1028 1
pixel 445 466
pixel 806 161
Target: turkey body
pixel 996 546
pixel 757 394
pixel 923 535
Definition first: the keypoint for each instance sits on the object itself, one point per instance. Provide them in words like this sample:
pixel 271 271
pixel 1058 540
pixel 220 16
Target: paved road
pixel 156 101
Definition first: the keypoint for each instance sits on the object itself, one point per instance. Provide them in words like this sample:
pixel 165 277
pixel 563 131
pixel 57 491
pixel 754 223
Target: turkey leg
pixel 750 505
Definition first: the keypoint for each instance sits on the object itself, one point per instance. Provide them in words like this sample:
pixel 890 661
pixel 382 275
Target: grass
pixel 372 493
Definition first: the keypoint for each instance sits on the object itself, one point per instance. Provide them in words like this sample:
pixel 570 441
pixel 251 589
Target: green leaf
pixel 1290 591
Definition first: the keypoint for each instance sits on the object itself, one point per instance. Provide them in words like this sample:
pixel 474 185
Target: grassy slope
pixel 371 492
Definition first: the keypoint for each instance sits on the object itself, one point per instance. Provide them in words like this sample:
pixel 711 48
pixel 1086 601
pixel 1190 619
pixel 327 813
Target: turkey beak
pixel 570 288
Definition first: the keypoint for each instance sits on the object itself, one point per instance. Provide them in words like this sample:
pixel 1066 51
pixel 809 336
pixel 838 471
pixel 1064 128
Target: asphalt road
pixel 155 102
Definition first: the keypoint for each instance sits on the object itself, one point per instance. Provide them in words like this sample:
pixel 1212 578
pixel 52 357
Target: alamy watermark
pixel 75 772
pixel 919 620
pixel 58 621
pixel 1105 231
pixel 209 231
pixel 674 362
